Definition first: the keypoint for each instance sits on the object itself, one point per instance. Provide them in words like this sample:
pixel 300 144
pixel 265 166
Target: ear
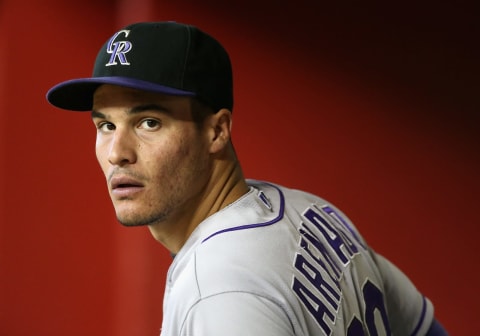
pixel 220 130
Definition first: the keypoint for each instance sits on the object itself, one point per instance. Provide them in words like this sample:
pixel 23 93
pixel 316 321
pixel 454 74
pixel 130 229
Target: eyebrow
pixel 136 110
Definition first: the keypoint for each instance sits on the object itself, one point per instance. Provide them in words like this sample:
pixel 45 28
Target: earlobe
pixel 222 126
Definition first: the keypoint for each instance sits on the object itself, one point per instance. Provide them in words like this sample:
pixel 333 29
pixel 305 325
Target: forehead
pixel 107 96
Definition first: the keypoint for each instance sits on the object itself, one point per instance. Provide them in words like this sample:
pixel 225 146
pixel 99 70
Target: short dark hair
pixel 200 111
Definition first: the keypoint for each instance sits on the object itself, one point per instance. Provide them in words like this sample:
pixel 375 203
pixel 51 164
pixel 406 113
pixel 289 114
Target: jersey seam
pixel 422 318
pixel 293 325
pixel 256 225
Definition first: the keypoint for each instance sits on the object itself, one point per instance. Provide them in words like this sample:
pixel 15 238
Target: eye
pixel 150 124
pixel 105 126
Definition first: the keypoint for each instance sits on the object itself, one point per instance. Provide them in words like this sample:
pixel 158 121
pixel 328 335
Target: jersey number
pixel 374 312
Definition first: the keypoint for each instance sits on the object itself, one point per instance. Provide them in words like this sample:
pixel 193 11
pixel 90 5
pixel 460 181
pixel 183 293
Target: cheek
pixel 101 154
pixel 175 158
pixel 164 158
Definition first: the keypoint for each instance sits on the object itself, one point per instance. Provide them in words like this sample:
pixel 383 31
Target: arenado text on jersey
pixel 281 262
pixel 324 268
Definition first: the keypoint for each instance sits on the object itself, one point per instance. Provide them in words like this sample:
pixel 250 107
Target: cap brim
pixel 77 94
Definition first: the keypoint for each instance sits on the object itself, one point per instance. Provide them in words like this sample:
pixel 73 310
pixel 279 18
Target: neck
pixel 226 185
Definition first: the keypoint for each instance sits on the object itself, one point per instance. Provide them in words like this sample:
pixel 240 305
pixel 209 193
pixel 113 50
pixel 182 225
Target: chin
pixel 132 219
pixel 130 224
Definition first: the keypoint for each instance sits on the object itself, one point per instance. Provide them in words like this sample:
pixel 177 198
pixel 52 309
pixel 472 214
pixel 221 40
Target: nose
pixel 122 149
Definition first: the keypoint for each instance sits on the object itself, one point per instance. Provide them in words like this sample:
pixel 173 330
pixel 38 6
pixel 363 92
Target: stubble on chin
pixel 131 217
pixel 130 221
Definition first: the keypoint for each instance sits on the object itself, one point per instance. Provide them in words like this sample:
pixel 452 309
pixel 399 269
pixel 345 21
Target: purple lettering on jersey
pixel 327 245
pixel 309 237
pixel 340 220
pixel 374 303
pixel 315 306
pixel 329 291
pixel 374 309
pixel 341 244
pixel 355 328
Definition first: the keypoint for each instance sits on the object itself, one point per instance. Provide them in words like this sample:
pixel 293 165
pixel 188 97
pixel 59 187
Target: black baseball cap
pixel 164 57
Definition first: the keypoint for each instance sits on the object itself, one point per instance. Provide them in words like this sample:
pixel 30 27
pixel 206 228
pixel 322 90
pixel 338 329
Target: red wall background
pixel 373 107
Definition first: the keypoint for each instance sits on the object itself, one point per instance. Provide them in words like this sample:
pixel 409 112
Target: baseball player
pixel 251 257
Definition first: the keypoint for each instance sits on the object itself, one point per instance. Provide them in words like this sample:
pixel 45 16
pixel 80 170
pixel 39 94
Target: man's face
pixel 154 157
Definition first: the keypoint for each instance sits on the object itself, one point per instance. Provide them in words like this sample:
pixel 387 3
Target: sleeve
pixel 236 314
pixel 409 312
pixel 436 329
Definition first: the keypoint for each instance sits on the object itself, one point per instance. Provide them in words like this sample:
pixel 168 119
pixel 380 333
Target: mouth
pixel 125 186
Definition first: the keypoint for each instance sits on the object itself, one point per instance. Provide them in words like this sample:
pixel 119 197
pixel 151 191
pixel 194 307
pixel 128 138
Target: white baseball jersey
pixel 284 262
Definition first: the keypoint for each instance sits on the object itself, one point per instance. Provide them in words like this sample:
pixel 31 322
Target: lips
pixel 125 186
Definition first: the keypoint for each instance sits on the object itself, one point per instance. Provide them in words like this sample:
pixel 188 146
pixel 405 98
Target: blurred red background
pixel 373 107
